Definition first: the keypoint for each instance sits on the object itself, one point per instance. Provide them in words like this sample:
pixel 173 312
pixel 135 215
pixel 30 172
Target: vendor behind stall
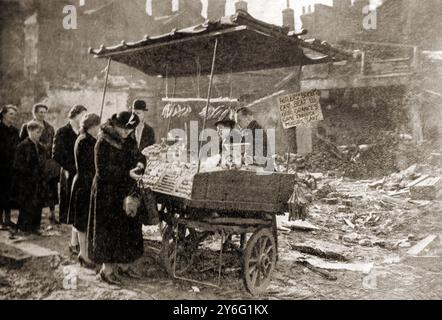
pixel 228 136
pixel 254 134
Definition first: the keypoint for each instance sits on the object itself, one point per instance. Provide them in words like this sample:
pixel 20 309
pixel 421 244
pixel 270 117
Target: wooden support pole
pixel 170 118
pixel 212 71
pixel 105 87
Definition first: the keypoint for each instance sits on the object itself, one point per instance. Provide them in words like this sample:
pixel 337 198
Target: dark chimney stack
pixel 341 5
pixel 288 17
pixel 193 7
pixel 241 5
pixel 216 9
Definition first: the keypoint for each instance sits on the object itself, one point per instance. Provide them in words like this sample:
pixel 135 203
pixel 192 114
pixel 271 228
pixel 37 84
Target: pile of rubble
pixel 420 182
pixel 376 212
pixel 355 161
pixel 365 161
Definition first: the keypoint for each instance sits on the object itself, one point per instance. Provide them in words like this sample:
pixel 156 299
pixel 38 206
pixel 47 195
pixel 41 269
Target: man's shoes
pixel 53 221
pixel 35 232
pixel 110 279
pixel 130 273
pixel 11 225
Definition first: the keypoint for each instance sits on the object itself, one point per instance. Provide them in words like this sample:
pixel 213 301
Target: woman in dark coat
pixel 81 186
pixel 52 170
pixel 8 144
pixel 28 185
pixel 114 238
pixel 63 154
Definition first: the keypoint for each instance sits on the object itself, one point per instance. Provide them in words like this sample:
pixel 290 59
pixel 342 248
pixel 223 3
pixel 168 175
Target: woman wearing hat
pixel 114 238
pixel 63 154
pixel 81 186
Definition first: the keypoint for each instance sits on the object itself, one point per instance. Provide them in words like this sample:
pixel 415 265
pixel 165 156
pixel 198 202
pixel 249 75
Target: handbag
pixel 142 203
pixel 131 205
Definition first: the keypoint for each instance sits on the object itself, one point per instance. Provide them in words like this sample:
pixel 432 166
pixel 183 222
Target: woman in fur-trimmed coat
pixel 114 238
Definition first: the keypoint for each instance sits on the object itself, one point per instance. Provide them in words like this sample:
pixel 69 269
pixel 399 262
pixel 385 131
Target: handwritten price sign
pixel 300 108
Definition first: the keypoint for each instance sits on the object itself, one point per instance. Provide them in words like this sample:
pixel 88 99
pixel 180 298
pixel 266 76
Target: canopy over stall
pixel 244 44
pixel 233 44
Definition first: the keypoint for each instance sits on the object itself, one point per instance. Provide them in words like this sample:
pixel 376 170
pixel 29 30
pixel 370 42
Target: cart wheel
pixel 185 250
pixel 259 261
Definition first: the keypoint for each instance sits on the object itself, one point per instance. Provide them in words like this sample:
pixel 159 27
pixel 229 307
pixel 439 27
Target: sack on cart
pixel 298 203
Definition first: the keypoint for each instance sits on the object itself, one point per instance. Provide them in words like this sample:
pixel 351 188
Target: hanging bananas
pixel 218 113
pixel 175 110
pixel 202 114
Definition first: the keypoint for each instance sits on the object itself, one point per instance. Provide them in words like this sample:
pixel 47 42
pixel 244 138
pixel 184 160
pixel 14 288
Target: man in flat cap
pixel 143 134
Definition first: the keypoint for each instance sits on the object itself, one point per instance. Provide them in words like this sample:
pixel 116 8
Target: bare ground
pixel 382 241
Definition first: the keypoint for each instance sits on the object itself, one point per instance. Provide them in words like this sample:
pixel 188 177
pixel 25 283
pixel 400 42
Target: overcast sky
pixel 270 10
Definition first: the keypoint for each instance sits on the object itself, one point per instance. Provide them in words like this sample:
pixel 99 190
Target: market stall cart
pixel 195 204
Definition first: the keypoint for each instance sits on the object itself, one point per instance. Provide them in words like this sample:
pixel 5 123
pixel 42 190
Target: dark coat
pixel 81 186
pixel 63 154
pixel 147 137
pixel 9 139
pixel 113 237
pixel 47 136
pixel 259 148
pixel 51 167
pixel 28 185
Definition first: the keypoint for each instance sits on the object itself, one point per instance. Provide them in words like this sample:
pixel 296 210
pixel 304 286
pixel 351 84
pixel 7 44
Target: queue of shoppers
pixel 88 169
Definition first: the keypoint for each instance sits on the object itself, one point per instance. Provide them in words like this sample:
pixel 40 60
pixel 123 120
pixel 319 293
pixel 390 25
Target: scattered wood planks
pixel 355 267
pixel 299 225
pixel 322 249
pixel 421 245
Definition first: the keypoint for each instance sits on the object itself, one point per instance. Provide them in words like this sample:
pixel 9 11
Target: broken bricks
pixel 344 209
pixel 324 191
pixel 427 189
pixel 331 201
pixel 351 237
pixel 366 243
pixel 347 202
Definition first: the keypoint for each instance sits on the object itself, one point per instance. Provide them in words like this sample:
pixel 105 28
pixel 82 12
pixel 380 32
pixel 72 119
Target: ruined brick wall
pixel 397 21
pixel 11 52
pixel 357 116
pixel 334 24
pixel 42 61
